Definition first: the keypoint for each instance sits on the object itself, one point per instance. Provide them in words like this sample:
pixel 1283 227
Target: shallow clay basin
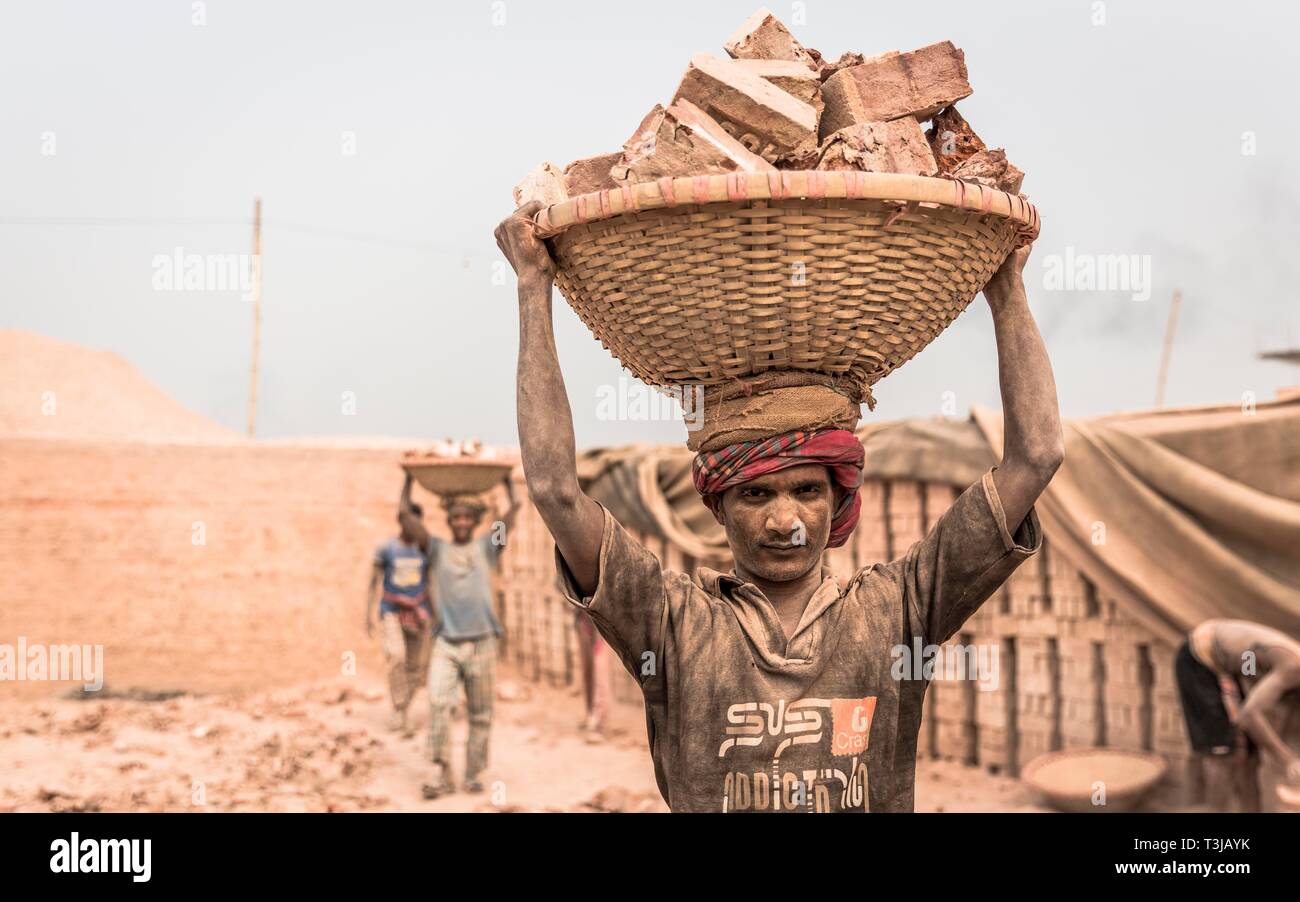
pixel 1069 779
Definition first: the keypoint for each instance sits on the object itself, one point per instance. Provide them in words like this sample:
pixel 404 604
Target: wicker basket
pixel 1066 779
pixel 452 476
pixel 702 279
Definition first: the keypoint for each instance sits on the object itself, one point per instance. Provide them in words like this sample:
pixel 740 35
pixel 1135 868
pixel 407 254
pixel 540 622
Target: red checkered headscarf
pixel 837 449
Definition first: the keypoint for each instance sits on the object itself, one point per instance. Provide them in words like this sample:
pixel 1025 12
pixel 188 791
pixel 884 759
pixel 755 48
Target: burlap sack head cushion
pixel 773 404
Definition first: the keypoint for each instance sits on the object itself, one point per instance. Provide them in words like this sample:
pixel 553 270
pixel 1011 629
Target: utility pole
pixel 257 315
pixel 1169 347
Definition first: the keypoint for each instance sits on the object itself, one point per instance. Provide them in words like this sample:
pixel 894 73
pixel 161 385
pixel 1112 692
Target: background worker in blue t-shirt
pixel 464 647
pixel 399 581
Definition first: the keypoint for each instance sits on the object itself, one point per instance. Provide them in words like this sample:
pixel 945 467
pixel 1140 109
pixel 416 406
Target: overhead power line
pixel 269 225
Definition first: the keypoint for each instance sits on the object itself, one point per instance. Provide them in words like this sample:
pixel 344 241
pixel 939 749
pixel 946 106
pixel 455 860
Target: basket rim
pixel 789 184
pixel 448 462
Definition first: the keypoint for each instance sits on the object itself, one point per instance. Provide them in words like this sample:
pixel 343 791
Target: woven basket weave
pixel 455 477
pixel 708 278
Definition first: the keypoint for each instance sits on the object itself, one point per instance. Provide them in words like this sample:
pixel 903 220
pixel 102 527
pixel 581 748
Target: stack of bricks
pixel 1128 689
pixel 995 712
pixel 561 662
pixel 997 626
pixel 1025 589
pixel 954 705
pixel 871 537
pixel 1082 674
pixel 1070 593
pixel 906 515
pixel 1169 729
pixel 1037 697
pixel 937 497
pixel 1043 599
pixel 520 567
pixel 539 637
pixel 775 104
pixel 1169 734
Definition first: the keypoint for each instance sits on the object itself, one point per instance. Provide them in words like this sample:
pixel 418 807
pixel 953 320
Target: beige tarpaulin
pixel 1182 514
pixel 648 488
pixel 1178 514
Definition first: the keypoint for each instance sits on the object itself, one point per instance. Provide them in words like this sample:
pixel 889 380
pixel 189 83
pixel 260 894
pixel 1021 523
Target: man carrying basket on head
pixel 772 688
pixel 464 647
pixel 399 588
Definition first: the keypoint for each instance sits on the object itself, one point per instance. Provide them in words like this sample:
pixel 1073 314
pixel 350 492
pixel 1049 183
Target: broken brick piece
pixel 826 68
pixel 590 174
pixel 952 140
pixel 764 37
pixel 545 183
pixel 682 140
pixel 893 85
pixel 760 115
pixel 805 156
pixel 992 169
pixel 894 146
pixel 795 79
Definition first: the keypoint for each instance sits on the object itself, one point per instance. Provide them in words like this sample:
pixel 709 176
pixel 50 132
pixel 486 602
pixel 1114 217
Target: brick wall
pixel 205 568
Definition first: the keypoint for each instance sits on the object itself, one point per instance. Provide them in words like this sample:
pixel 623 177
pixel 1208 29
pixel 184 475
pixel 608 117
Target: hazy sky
pixel 129 132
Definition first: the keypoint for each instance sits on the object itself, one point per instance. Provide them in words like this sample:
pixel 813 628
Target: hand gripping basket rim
pixel 452 476
pixel 681 278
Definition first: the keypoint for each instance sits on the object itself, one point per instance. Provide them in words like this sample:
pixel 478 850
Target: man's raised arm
pixel 546 443
pixel 413 524
pixel 1253 718
pixel 1032 444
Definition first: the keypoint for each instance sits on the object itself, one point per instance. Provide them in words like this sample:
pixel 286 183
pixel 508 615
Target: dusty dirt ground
pixel 319 747
pixel 325 747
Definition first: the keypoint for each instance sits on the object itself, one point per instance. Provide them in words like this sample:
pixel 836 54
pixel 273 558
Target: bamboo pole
pixel 1170 326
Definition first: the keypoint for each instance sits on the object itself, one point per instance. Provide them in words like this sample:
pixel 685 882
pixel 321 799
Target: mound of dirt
pixel 57 389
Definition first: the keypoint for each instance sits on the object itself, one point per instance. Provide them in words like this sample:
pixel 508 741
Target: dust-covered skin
pixel 777 526
pixel 1266 664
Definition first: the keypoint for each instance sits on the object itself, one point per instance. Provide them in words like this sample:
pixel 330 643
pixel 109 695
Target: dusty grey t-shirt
pixel 463 584
pixel 741 720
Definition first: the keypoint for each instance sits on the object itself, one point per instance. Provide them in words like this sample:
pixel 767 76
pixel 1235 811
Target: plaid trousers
pixel 406 654
pixel 473 663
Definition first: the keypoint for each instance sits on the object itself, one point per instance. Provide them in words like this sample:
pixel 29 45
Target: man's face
pixel 777 525
pixel 462 523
